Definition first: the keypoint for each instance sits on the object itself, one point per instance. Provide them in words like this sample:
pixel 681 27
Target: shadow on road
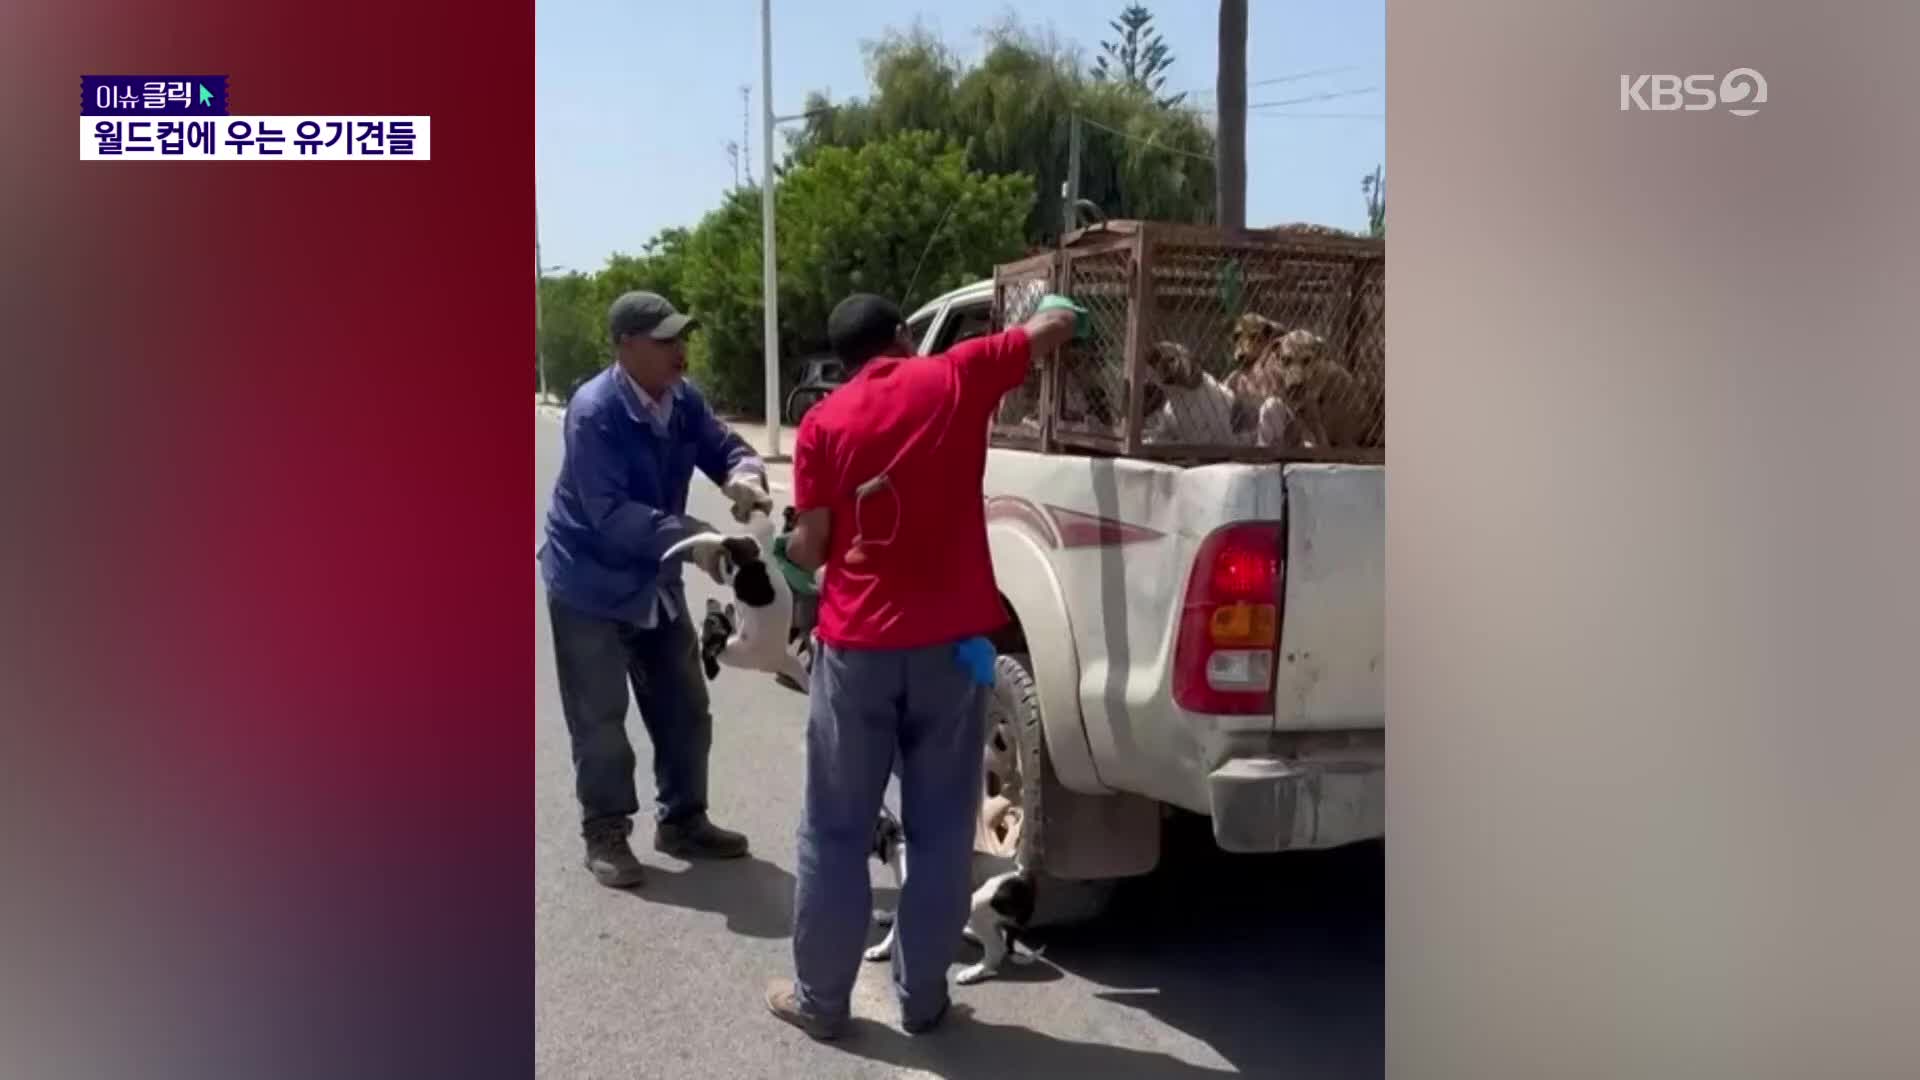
pixel 755 896
pixel 968 1049
pixel 1276 962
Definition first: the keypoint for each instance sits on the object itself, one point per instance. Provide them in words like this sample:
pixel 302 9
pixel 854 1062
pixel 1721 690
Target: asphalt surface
pixel 1212 966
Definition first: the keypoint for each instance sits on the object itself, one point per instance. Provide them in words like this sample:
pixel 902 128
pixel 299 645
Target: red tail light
pixel 1245 567
pixel 1229 634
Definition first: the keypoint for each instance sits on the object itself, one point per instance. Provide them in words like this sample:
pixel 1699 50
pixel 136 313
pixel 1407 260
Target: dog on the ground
pixel 1001 909
pixel 889 849
pixel 998 913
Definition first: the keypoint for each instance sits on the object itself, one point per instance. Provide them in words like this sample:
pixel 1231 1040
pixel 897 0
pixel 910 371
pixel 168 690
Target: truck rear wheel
pixel 1017 778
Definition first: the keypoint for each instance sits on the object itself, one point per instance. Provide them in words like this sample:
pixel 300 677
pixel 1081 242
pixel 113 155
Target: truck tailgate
pixel 1332 669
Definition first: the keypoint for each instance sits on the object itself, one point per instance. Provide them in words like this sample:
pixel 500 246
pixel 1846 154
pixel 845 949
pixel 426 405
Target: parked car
pixel 819 376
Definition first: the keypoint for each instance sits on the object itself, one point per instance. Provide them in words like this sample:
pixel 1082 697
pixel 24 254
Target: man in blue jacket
pixel 634 434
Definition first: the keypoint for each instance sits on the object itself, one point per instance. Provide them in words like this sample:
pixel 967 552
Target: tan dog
pixel 1252 335
pixel 1253 380
pixel 1297 396
pixel 1318 392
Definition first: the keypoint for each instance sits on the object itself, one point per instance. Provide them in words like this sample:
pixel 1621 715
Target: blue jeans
pixel 597 660
pixel 873 712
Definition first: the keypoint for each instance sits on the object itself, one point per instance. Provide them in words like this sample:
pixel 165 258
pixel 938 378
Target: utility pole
pixel 1070 188
pixel 1230 97
pixel 769 284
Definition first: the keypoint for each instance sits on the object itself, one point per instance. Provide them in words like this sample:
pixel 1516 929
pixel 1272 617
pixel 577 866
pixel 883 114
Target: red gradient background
pixel 263 570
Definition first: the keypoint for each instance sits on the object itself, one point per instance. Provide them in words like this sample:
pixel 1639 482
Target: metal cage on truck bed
pixel 1265 345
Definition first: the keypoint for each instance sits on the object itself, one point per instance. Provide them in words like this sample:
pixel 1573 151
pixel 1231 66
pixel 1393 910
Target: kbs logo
pixel 1742 91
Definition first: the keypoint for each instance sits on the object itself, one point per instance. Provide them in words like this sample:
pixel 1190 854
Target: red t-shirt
pixel 927 578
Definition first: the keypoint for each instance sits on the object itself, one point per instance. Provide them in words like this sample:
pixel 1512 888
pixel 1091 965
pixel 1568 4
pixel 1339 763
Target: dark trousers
pixel 872 712
pixel 598 660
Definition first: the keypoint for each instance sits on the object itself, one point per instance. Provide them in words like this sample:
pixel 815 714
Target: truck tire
pixel 1013 811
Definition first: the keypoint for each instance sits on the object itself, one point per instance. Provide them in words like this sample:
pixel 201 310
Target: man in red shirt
pixel 887 478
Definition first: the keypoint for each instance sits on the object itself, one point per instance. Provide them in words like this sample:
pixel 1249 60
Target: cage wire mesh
pixel 1270 345
pixel 1092 385
pixel 1017 293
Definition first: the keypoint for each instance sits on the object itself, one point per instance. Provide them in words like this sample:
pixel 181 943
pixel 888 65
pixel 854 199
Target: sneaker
pixel 783 1001
pixel 698 838
pixel 611 859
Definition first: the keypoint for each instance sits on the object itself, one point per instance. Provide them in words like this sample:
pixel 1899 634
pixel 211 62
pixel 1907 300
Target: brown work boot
pixel 611 859
pixel 783 1001
pixel 698 838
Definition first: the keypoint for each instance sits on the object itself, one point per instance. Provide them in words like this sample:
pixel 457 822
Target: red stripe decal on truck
pixel 1017 511
pixel 1058 527
pixel 1086 530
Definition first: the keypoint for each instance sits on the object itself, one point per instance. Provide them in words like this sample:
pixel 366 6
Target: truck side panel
pixel 1027 583
pixel 1332 671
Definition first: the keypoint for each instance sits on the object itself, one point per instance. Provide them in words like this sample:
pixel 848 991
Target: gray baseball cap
pixel 646 313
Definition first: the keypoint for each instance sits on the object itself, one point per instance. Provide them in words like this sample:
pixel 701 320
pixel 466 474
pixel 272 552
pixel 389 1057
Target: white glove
pixel 712 561
pixel 710 558
pixel 748 490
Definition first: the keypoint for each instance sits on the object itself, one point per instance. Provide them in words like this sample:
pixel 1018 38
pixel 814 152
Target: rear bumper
pixel 1263 804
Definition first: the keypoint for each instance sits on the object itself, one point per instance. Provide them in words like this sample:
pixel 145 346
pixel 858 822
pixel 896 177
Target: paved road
pixel 1212 966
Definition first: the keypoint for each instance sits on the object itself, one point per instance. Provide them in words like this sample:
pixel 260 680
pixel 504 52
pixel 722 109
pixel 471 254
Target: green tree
pixel 573 343
pixel 1140 58
pixel 921 186
pixel 896 213
pixel 573 307
pixel 1010 112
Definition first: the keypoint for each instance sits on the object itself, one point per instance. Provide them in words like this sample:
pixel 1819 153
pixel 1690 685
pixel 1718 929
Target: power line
pixel 1321 116
pixel 1293 77
pixel 1315 97
pixel 808 115
pixel 1149 142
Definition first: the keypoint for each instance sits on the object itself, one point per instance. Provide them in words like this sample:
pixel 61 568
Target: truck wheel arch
pixel 1041 629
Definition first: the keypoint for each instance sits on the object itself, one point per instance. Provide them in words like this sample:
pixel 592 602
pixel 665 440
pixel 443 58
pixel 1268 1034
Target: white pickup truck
pixel 1202 637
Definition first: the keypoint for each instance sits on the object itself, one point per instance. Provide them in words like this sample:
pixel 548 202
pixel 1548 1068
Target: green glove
pixel 798 580
pixel 1082 322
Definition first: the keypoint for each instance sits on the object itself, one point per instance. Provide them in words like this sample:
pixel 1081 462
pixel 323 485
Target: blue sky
pixel 636 99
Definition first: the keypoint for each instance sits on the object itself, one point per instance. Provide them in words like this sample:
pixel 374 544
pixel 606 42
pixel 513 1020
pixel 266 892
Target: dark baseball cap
pixel 862 326
pixel 646 313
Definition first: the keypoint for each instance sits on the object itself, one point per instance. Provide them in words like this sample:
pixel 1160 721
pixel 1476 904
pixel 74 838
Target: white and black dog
pixel 997 916
pixel 755 635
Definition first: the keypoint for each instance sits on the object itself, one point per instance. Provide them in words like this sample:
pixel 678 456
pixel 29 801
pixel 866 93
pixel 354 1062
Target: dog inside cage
pixel 1263 346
